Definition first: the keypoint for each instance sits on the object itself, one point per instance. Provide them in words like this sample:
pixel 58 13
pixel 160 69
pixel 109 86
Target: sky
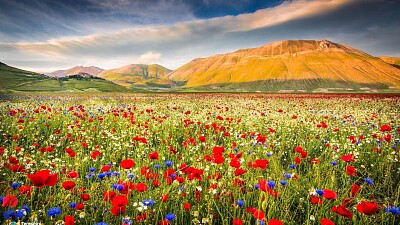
pixel 47 35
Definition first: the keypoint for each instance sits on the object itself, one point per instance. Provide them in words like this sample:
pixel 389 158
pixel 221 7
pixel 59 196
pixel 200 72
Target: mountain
pixel 14 80
pixel 394 61
pixel 139 75
pixel 95 71
pixel 290 66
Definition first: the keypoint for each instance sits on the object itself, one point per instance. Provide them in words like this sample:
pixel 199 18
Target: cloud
pixel 123 41
pixel 149 58
pixel 342 20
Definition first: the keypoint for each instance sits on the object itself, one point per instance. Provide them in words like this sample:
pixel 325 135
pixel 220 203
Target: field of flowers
pixel 200 159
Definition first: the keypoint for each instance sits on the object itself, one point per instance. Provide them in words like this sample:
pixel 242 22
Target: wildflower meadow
pixel 227 159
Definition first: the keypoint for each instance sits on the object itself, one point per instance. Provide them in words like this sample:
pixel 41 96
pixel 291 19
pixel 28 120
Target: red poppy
pixel 239 171
pixel 355 189
pixel 85 197
pixel 69 220
pixel 325 221
pixel 164 198
pixel 80 206
pixel 237 222
pixel 108 196
pixel 258 214
pixel 275 222
pixel 315 161
pixel 10 201
pixel 202 138
pixel 127 163
pixel 95 154
pixel 386 127
pixel 156 183
pixel 116 211
pixel 105 168
pixel 141 187
pixel 73 174
pixel 343 211
pixel 348 158
pixel 314 200
pixel 261 163
pixel 153 155
pixel 187 206
pixel 367 208
pixel 25 190
pixel 17 168
pixel 235 163
pixel 351 171
pixel 329 194
pixel 43 178
pixel 298 149
pixel 218 159
pixel 119 201
pixel 68 185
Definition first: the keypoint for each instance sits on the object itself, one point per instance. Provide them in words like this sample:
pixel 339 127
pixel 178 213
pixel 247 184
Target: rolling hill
pixel 15 80
pixel 391 60
pixel 139 75
pixel 290 66
pixel 92 70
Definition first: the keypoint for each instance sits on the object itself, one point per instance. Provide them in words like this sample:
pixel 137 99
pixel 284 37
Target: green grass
pixel 16 80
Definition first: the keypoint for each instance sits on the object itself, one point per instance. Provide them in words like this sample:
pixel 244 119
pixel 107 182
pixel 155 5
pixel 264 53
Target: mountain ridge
pixel 92 70
pixel 302 60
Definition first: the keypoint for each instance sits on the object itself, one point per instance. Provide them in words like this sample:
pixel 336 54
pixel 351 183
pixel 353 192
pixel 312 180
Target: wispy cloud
pixel 181 38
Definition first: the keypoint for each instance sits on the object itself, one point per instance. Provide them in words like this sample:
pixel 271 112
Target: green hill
pixel 14 80
pixel 139 75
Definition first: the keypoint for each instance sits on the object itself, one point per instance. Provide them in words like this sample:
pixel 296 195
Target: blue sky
pixel 46 35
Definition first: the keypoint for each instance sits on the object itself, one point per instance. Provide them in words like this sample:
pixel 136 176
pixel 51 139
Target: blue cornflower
pixel 320 192
pixel 101 175
pixel 15 185
pixel 368 181
pixel 92 169
pixel 8 214
pixel 240 203
pixel 271 184
pixel 148 202
pixel 1 198
pixel 269 154
pixel 292 166
pixel 256 186
pixel 26 208
pixel 108 173
pixel 20 213
pixel 72 205
pixel 131 176
pixel 287 175
pixel 173 176
pixel 283 182
pixel 120 187
pixel 101 223
pixel 260 222
pixel 393 209
pixel 170 216
pixel 157 166
pixel 333 163
pixel 116 174
pixel 90 175
pixel 114 186
pixel 168 163
pixel 54 211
